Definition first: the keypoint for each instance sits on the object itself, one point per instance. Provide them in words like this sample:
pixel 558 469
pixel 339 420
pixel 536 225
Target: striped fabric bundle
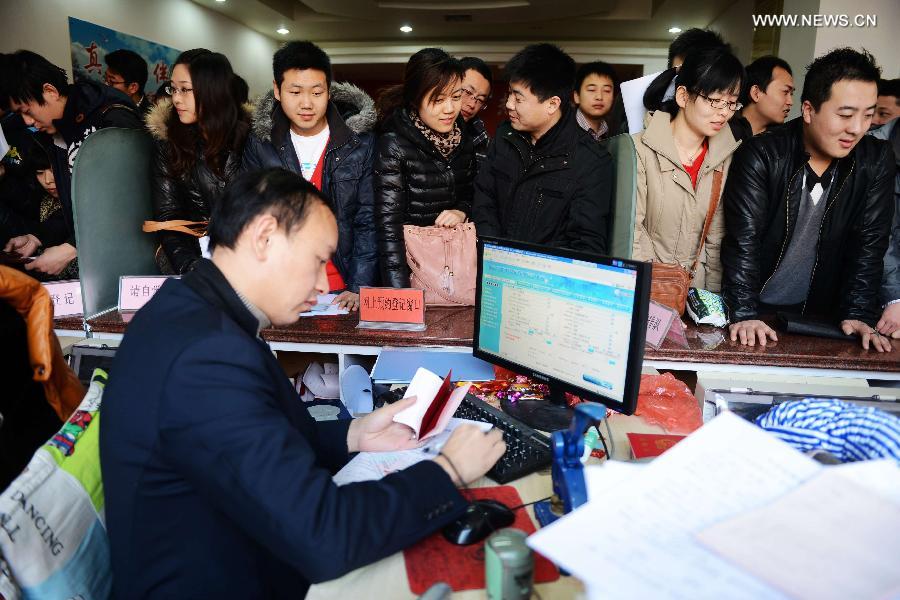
pixel 849 432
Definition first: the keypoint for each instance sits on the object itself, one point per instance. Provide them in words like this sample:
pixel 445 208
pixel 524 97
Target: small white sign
pixel 66 297
pixel 136 290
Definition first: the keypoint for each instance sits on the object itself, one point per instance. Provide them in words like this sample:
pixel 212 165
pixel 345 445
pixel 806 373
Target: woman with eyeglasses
pixel 199 135
pixel 686 143
pixel 425 161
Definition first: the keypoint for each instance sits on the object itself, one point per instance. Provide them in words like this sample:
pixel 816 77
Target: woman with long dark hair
pixel 686 143
pixel 425 161
pixel 200 137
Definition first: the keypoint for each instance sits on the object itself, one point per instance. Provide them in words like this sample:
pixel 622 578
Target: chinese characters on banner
pixel 91 43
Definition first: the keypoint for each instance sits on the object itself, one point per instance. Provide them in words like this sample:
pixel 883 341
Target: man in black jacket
pixel 808 209
pixel 476 89
pixel 545 180
pixel 217 481
pixel 39 91
pixel 299 127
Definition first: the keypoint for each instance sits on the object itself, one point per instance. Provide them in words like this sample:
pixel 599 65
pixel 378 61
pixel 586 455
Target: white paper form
pixel 637 542
pixel 324 307
pixel 371 466
pixel 829 539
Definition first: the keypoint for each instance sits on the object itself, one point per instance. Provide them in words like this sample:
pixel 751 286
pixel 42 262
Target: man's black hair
pixel 130 66
pixel 300 55
pixel 545 69
pixel 240 90
pixel 473 62
pixel 889 87
pixel 760 73
pixel 282 193
pixel 841 64
pixel 695 39
pixel 597 67
pixel 23 75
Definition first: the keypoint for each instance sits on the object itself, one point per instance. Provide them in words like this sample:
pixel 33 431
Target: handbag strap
pixel 194 228
pixel 710 212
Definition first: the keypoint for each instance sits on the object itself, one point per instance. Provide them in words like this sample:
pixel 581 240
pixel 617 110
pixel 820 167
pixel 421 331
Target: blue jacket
pixel 346 177
pixel 217 480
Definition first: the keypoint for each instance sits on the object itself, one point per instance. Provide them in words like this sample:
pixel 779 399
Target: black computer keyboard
pixel 527 450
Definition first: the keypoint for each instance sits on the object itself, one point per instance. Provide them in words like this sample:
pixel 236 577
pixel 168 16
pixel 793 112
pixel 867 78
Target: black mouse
pixel 481 519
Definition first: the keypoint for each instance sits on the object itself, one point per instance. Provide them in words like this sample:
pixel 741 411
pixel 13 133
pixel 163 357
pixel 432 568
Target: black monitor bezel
pixel 638 325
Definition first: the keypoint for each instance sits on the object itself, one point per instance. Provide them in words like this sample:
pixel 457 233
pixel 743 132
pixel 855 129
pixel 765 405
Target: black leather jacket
pixel 414 183
pixel 190 197
pixel 761 202
pixel 556 192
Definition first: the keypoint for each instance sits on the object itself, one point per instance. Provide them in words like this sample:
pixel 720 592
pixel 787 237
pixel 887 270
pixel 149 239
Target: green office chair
pixel 621 225
pixel 110 201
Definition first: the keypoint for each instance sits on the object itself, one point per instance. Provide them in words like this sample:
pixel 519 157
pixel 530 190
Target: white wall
pixel 880 40
pixel 736 26
pixel 43 27
pixel 797 45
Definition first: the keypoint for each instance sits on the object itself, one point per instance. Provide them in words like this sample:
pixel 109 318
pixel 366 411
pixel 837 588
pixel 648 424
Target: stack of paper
pixel 732 512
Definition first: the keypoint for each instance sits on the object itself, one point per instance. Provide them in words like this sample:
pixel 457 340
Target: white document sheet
pixel 828 539
pixel 324 307
pixel 637 540
pixel 371 466
pixel 633 99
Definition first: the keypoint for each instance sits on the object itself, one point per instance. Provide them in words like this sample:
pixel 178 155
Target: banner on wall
pixel 91 43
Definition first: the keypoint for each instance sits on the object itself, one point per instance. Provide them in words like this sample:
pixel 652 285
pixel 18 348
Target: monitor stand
pixel 544 415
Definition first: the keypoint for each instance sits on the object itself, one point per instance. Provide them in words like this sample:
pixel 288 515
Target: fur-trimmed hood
pixel 157 116
pixel 353 104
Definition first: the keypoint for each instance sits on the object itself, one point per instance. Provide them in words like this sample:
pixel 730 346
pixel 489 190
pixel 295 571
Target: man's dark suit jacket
pixel 217 480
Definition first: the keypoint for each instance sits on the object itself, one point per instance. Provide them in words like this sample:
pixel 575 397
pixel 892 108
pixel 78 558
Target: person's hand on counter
pixel 748 332
pixel 889 324
pixel 348 300
pixel 868 335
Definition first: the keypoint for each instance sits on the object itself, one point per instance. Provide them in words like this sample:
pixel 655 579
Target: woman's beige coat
pixel 670 213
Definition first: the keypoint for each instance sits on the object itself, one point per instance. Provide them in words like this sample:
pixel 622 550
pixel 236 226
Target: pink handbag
pixel 442 262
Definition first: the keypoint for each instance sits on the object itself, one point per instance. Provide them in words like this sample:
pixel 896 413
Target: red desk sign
pixel 136 291
pixel 66 297
pixel 660 319
pixel 392 305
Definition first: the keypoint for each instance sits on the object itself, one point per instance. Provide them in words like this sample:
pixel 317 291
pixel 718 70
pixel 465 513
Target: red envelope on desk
pixel 436 401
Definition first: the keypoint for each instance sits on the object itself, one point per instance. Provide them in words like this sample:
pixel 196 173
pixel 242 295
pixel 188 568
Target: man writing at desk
pixel 217 480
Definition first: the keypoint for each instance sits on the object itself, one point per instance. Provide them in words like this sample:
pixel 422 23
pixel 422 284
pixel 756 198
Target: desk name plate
pixel 391 308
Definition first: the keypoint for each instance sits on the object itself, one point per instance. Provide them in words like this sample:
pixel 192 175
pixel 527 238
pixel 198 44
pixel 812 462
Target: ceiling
pixel 445 21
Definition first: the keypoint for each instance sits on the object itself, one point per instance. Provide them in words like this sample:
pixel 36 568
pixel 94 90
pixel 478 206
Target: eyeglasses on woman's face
pixel 720 103
pixel 172 90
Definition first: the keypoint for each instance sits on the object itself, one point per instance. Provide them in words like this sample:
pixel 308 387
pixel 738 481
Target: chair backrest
pixel 621 224
pixel 110 201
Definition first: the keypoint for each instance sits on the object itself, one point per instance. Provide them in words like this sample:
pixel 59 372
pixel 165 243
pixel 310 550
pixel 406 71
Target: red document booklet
pixel 436 401
pixel 648 445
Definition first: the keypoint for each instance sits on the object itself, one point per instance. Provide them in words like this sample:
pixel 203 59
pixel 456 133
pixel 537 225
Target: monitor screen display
pixel 566 318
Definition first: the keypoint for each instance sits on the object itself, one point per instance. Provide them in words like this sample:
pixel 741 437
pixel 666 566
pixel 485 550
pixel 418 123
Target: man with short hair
pixel 888 107
pixel 126 71
pixel 808 209
pixel 217 481
pixel 595 91
pixel 39 91
pixel 768 95
pixel 298 126
pixel 545 180
pixel 476 89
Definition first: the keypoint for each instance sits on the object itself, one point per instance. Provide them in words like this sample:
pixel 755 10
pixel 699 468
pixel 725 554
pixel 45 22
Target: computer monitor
pixel 573 320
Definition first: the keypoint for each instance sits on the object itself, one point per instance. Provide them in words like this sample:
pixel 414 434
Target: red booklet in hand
pixel 648 445
pixel 436 401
